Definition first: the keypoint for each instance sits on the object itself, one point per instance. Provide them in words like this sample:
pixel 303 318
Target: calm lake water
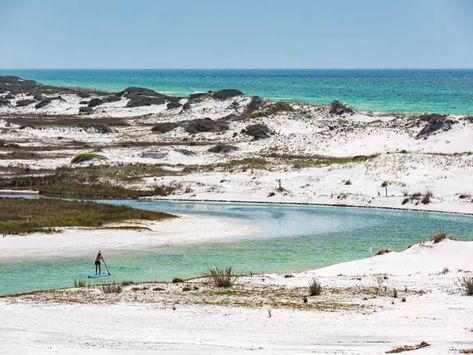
pixel 381 90
pixel 293 238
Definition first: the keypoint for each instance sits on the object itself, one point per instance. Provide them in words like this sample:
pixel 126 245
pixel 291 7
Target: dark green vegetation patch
pixel 19 216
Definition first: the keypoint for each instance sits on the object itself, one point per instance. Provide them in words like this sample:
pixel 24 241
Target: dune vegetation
pixel 21 216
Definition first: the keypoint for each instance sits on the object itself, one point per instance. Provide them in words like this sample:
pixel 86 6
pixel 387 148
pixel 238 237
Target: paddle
pixel 106 267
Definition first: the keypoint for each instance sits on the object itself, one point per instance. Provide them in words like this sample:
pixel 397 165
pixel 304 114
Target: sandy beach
pixel 357 313
pixel 132 235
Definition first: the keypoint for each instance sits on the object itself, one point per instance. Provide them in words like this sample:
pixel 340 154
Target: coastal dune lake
pixel 292 238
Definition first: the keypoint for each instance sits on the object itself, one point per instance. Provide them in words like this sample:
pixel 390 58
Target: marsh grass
pixel 20 216
pixel 91 182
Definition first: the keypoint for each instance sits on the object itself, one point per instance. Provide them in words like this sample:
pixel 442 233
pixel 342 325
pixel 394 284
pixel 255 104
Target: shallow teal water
pixel 293 238
pixel 395 90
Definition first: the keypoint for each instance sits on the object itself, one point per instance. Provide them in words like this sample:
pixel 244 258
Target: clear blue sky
pixel 236 34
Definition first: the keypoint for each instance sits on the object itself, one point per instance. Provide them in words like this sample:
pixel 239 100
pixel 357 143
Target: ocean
pixel 377 90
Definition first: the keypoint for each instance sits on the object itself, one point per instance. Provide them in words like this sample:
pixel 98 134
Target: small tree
pixel 385 185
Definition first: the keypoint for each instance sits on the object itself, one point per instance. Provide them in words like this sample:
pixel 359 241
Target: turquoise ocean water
pixel 292 238
pixel 411 91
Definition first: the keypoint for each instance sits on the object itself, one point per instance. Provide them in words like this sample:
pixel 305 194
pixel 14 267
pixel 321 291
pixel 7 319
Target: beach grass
pixel 21 216
pixel 83 157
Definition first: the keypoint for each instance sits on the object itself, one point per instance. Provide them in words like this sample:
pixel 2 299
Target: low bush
pixel 201 125
pixel 257 131
pixel 466 285
pixel 222 148
pixel 97 127
pixel 24 102
pixel 164 127
pixel 226 94
pixel 137 101
pixel 177 280
pixel 165 190
pixel 172 105
pixel 222 277
pixel 315 288
pixel 426 198
pixel 95 102
pixel 339 109
pixel 418 197
pixel 85 110
pixel 272 109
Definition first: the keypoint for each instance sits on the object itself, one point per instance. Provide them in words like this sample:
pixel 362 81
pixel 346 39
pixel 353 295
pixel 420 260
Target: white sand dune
pixel 420 258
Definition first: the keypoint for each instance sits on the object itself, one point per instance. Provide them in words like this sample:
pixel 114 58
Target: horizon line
pixel 245 68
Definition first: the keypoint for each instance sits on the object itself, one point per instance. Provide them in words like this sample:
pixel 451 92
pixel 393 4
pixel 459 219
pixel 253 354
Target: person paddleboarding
pixel 98 267
pixel 98 264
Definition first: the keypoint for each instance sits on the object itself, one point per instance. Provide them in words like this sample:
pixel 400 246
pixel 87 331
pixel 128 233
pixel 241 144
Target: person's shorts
pixel 97 262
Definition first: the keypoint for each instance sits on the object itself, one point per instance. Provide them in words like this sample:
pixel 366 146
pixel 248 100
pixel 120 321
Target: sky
pixel 236 34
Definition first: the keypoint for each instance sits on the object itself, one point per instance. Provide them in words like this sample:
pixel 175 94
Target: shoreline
pixel 422 303
pixel 76 242
pixel 313 204
pixel 19 194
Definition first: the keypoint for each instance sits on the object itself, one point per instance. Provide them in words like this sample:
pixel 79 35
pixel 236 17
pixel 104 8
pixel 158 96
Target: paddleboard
pixel 97 276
